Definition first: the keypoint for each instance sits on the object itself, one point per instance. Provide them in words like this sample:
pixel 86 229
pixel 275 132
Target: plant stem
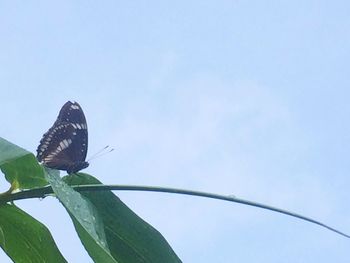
pixel 44 191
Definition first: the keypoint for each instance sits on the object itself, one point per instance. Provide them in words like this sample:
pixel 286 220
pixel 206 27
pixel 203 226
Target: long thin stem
pixel 44 191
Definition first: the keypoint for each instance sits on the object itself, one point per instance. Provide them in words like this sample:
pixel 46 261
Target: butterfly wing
pixel 72 113
pixel 52 150
pixel 64 146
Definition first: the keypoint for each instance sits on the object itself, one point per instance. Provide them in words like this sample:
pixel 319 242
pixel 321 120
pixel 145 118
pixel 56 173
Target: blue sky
pixel 234 97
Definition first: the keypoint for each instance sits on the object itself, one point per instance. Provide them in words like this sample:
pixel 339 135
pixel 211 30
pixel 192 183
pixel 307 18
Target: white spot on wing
pixel 74 107
pixel 65 143
pixel 80 126
pixel 62 145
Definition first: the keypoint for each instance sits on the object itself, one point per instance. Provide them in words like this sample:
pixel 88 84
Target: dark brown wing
pixel 65 144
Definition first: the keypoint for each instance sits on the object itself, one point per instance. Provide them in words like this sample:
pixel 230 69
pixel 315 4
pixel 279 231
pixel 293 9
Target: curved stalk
pixel 45 191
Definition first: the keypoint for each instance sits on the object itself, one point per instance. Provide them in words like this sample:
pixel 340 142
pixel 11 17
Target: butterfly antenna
pixel 103 151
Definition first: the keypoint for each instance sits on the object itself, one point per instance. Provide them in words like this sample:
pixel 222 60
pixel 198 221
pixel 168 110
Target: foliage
pixel 108 229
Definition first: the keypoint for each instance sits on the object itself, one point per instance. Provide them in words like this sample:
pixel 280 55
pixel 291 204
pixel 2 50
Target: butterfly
pixel 64 146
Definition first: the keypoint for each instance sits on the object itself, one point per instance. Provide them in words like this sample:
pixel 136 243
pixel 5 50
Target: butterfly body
pixel 64 146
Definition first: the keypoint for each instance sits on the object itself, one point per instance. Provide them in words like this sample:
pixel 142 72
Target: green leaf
pixel 85 217
pixel 20 167
pixel 24 239
pixel 130 239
